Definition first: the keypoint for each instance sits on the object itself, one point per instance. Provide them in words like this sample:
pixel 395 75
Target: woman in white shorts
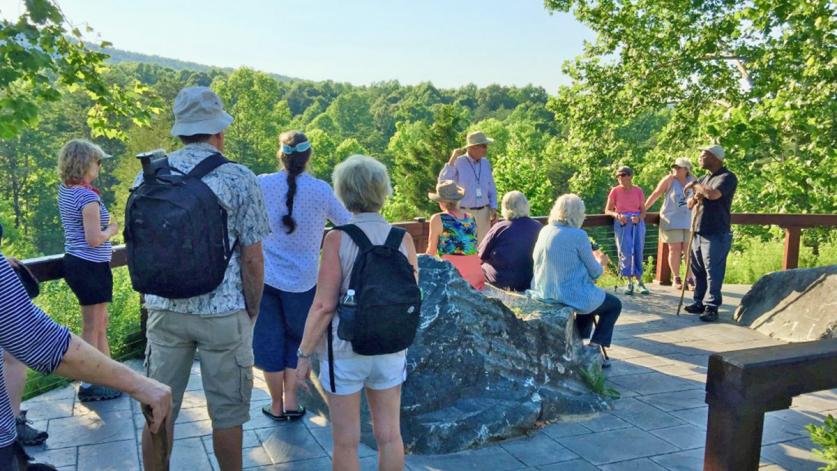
pixel 363 185
pixel 675 216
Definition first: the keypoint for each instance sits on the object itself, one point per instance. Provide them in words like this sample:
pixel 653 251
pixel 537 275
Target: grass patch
pixel 596 380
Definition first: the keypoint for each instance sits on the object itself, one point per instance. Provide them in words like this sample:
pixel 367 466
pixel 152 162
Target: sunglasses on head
pixel 301 147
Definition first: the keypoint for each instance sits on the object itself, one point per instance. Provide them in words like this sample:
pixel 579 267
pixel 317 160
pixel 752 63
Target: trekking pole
pixel 159 441
pixel 695 212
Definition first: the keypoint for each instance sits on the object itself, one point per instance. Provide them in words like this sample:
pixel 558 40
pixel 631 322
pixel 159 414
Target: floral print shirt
pixel 459 236
pixel 239 193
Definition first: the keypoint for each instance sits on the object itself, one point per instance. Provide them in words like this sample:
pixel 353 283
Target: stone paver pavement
pixel 659 366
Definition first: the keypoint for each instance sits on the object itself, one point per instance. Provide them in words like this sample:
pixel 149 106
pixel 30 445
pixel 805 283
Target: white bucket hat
pixel 715 150
pixel 198 110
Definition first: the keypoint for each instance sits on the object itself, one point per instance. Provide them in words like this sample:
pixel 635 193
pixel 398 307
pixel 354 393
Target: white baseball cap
pixel 715 150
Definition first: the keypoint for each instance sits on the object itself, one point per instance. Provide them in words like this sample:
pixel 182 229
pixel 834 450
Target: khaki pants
pixel 483 218
pixel 226 358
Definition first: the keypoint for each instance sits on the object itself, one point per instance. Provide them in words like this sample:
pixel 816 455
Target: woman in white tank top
pixel 675 217
pixel 363 185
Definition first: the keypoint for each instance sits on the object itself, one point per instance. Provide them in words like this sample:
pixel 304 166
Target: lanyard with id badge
pixel 478 176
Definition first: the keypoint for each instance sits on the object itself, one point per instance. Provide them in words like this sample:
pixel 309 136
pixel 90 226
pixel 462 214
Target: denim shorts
pixel 279 328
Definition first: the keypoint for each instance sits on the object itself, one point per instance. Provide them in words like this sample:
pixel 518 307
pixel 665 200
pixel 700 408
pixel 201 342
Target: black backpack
pixel 176 231
pixel 388 301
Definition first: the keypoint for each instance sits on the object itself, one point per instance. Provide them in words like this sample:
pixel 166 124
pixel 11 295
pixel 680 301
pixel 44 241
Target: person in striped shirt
pixel 87 230
pixel 29 335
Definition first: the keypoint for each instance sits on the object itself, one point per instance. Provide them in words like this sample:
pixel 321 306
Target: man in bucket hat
pixel 713 232
pixel 219 323
pixel 472 171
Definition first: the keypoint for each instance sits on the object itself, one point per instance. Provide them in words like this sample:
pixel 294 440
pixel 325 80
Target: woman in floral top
pixel 453 233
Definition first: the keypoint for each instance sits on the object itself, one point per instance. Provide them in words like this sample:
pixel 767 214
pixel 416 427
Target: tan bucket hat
pixel 447 190
pixel 477 138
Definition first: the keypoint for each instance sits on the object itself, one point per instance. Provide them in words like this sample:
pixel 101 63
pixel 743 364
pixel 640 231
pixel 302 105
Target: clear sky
pixel 448 42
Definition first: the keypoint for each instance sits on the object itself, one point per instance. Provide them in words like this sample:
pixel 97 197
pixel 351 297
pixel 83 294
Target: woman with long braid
pixel 298 206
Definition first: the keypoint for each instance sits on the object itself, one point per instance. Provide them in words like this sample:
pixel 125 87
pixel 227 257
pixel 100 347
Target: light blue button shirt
pixel 476 178
pixel 565 270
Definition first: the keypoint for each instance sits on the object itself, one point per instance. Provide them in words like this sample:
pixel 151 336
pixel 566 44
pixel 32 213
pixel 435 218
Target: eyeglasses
pixel 622 175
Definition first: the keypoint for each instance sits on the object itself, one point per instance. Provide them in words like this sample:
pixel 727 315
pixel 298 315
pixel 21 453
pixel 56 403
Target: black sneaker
pixel 711 314
pixel 28 435
pixel 95 392
pixel 695 308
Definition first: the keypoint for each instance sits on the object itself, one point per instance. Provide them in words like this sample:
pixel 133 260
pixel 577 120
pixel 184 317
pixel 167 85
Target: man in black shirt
pixel 713 235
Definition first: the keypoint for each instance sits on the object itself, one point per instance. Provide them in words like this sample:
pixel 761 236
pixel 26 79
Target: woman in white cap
pixel 453 233
pixel 675 216
pixel 88 228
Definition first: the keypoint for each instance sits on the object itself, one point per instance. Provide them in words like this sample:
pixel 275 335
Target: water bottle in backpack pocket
pixel 346 311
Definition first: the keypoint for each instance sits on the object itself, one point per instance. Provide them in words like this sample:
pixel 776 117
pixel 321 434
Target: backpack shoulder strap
pixel 207 165
pixel 357 235
pixel 395 237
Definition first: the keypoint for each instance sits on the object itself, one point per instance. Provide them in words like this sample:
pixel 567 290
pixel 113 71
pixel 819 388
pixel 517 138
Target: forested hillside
pixel 758 79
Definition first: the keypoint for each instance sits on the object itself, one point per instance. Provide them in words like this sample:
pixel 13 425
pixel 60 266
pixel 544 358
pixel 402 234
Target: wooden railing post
pixel 793 235
pixel 421 242
pixel 663 274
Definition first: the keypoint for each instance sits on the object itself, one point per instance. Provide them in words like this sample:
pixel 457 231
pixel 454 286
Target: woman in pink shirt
pixel 626 204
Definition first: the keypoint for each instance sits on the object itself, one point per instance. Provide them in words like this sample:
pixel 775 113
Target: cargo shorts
pixel 226 360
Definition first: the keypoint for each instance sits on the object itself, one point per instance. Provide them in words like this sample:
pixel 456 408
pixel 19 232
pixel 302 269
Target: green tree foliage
pixel 40 59
pixel 254 101
pixel 757 77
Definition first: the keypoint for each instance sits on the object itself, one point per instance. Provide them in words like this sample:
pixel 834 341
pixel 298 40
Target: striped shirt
pixel 28 335
pixel 71 200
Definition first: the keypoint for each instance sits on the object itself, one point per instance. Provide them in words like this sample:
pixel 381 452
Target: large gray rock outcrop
pixel 487 366
pixel 793 305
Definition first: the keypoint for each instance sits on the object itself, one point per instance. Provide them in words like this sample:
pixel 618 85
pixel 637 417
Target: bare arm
pixel 328 290
pixel 93 233
pixel 661 189
pixel 252 277
pixel 642 211
pixel 411 253
pixel 433 237
pixel 85 363
pixel 610 210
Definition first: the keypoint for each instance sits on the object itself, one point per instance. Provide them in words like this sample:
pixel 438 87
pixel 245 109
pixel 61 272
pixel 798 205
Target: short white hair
pixel 568 209
pixel 515 205
pixel 362 183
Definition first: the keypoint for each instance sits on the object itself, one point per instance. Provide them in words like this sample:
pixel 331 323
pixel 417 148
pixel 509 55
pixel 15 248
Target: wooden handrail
pixel 742 385
pixel 50 267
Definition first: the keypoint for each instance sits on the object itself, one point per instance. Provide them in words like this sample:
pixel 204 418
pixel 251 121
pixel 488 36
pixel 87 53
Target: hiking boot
pixel 94 392
pixel 28 435
pixel 711 314
pixel 678 283
pixel 629 290
pixel 695 308
pixel 642 288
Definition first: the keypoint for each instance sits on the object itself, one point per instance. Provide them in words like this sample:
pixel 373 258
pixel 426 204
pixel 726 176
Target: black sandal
pixel 266 411
pixel 294 414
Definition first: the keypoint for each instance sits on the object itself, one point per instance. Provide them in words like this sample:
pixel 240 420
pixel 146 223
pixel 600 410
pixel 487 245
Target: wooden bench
pixel 742 385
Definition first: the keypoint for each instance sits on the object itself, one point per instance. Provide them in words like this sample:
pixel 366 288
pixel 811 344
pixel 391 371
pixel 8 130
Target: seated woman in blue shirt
pixel 566 269
pixel 506 251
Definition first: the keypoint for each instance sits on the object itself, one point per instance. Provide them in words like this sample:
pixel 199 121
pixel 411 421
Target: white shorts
pixel 376 372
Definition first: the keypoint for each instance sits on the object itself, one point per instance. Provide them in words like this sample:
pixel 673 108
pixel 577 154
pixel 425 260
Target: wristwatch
pixel 300 354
